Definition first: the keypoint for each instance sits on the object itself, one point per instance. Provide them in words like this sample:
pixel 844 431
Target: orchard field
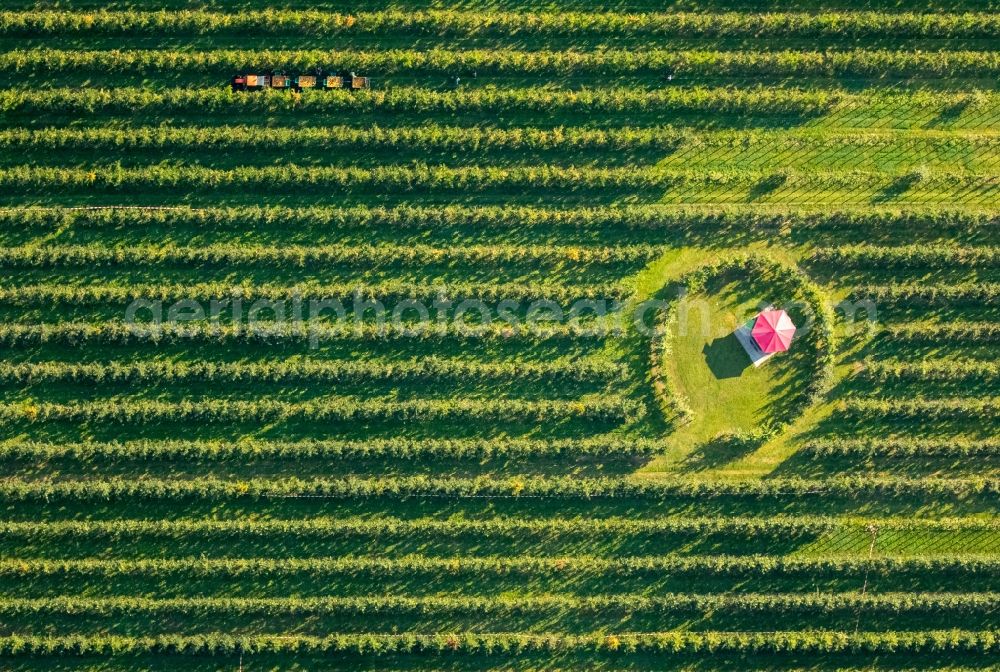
pixel 470 493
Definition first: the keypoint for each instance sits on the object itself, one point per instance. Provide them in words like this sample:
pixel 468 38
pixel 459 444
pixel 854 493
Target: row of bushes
pixel 421 178
pixel 907 256
pixel 936 370
pixel 943 332
pixel 694 566
pixel 311 256
pixel 980 409
pixel 338 409
pixel 424 369
pixel 772 605
pixel 694 63
pixel 385 291
pixel 457 23
pixel 950 642
pixel 503 527
pixel 81 334
pixel 639 217
pixel 425 177
pixel 980 294
pixel 247 450
pixel 901 447
pixel 492 100
pixel 425 137
pixel 557 487
pixel 442 138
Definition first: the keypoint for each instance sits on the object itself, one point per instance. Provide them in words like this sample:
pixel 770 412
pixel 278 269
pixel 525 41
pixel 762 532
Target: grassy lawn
pixel 710 368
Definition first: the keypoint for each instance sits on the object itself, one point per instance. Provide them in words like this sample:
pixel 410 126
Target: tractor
pixel 251 82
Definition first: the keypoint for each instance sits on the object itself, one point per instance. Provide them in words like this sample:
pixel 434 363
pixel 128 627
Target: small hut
pixel 769 332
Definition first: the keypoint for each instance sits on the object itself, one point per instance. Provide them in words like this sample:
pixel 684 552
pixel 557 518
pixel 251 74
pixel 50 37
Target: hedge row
pixel 247 450
pixel 773 605
pixel 320 527
pixel 697 566
pixel 491 100
pixel 694 63
pixel 312 256
pixel 556 487
pixel 425 177
pixel 901 447
pixel 907 256
pixel 81 334
pixel 385 291
pixel 975 294
pixel 338 409
pixel 943 332
pixel 950 642
pixel 961 408
pixel 430 368
pixel 425 137
pixel 455 23
pixel 641 217
pixel 932 370
pixel 439 138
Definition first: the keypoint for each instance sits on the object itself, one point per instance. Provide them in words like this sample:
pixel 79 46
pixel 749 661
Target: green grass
pixel 713 372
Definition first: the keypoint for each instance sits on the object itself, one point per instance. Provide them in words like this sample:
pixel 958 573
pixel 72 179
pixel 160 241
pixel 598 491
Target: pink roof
pixel 773 330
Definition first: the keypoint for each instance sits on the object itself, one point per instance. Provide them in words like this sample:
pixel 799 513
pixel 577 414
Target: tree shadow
pixel 898 187
pixel 720 450
pixel 725 357
pixel 766 186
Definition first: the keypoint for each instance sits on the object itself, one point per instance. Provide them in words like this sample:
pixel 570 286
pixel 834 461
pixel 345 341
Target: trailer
pixel 305 82
pixel 356 83
pixel 333 82
pixel 249 81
